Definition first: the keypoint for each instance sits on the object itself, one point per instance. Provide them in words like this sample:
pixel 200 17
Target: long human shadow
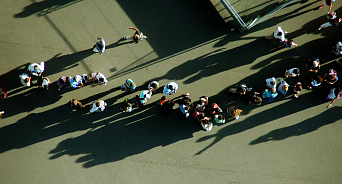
pixel 311 26
pixel 307 126
pixel 10 80
pixel 266 116
pixel 181 43
pixel 44 7
pixel 219 61
pixel 120 138
pixel 37 127
pixel 32 97
pixel 59 62
pixel 284 60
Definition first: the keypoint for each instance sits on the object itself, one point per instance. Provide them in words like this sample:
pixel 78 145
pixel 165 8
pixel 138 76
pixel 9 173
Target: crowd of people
pixel 201 111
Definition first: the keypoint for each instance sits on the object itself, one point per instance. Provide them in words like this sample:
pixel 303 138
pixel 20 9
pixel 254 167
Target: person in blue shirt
pixel 170 88
pixel 76 82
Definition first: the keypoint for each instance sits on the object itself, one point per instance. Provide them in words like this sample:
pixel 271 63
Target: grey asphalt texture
pixel 42 140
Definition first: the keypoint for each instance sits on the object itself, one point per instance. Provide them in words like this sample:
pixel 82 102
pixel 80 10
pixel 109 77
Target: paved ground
pixel 43 141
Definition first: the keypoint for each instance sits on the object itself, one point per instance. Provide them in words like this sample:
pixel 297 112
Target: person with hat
pixel 170 88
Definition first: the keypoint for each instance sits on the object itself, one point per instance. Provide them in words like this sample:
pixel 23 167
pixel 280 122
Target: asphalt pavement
pixel 42 140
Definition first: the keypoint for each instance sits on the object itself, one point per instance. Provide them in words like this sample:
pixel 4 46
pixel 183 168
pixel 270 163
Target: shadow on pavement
pixel 309 125
pixel 44 7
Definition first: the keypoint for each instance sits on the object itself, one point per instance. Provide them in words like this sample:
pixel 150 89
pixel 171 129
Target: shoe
pixel 320 7
pixel 125 38
pixel 249 89
pixel 319 29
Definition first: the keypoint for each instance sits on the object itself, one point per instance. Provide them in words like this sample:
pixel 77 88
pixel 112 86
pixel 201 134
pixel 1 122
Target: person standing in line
pixel 313 66
pixel 25 79
pixel 100 46
pixel 87 78
pixel 170 88
pixel 154 85
pixel 144 96
pixel 126 106
pixel 278 34
pixel 234 112
pixel 98 106
pixel 293 72
pixel 138 36
pixel 255 100
pixel 36 69
pixel 129 86
pixel 43 83
pixel 330 77
pixel 61 82
pixel 241 89
pixel 269 95
pixel 76 82
pixel 271 82
pixel 99 78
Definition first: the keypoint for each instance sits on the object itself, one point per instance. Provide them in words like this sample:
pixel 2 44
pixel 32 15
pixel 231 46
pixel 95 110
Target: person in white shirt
pixel 98 106
pixel 293 72
pixel 36 69
pixel 271 82
pixel 278 34
pixel 99 78
pixel 170 88
pixel 25 79
pixel 100 46
pixel 144 96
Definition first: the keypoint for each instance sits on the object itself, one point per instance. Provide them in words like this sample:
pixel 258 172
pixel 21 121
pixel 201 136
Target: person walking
pixel 137 36
pixel 327 2
pixel 278 35
pixel 100 46
pixel 332 21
